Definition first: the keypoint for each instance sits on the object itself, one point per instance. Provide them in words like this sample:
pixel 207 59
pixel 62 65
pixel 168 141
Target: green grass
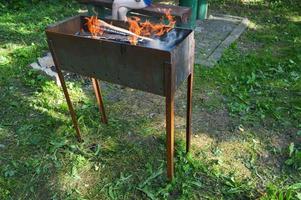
pixel 247 113
pixel 265 84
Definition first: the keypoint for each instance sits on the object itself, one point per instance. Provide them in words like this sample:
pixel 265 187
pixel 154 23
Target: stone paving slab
pixel 216 34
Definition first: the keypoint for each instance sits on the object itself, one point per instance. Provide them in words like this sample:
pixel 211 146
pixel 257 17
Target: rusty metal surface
pixel 66 26
pixel 183 58
pixel 189 111
pixel 170 117
pixel 138 67
pixel 97 91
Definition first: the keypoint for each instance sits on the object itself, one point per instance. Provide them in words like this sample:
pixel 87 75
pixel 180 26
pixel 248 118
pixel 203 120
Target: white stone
pixel 35 66
pixel 46 62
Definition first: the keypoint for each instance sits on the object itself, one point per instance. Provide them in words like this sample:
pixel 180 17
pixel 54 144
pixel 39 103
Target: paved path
pixel 216 34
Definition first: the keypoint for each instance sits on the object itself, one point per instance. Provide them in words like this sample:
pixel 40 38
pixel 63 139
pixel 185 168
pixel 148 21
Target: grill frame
pixel 153 70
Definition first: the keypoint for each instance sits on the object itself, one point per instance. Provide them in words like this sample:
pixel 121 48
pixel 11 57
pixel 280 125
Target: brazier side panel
pixel 133 66
pixel 183 59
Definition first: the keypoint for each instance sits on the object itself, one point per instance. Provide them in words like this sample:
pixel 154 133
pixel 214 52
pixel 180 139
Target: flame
pixel 94 26
pixel 134 28
pixel 148 29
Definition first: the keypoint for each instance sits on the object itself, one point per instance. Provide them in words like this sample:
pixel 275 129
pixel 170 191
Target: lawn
pixel 246 118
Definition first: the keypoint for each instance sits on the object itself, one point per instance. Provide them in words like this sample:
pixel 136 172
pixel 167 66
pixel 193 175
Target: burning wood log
pixel 115 32
pixel 107 35
pixel 97 27
pixel 106 25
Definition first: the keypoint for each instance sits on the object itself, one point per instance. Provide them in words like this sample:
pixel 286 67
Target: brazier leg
pixel 62 80
pixel 189 110
pixel 101 108
pixel 71 110
pixel 170 135
pixel 169 93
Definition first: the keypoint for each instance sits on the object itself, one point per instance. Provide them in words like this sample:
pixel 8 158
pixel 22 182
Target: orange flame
pixel 145 28
pixel 134 28
pixel 148 29
pixel 94 26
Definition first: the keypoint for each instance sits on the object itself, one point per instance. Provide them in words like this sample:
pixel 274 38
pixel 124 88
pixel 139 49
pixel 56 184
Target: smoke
pixel 168 41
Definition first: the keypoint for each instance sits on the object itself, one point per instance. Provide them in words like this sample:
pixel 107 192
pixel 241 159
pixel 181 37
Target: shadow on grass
pixel 40 156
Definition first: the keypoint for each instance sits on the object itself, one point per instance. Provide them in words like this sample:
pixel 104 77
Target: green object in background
pixel 202 9
pixel 193 4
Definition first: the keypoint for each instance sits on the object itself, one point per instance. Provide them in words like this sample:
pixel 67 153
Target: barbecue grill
pixel 158 67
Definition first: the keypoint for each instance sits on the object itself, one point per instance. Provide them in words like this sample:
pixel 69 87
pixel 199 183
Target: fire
pixel 149 29
pixel 136 27
pixel 94 26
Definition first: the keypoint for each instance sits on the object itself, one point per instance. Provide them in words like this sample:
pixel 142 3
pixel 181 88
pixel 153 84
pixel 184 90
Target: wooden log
pixel 106 25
